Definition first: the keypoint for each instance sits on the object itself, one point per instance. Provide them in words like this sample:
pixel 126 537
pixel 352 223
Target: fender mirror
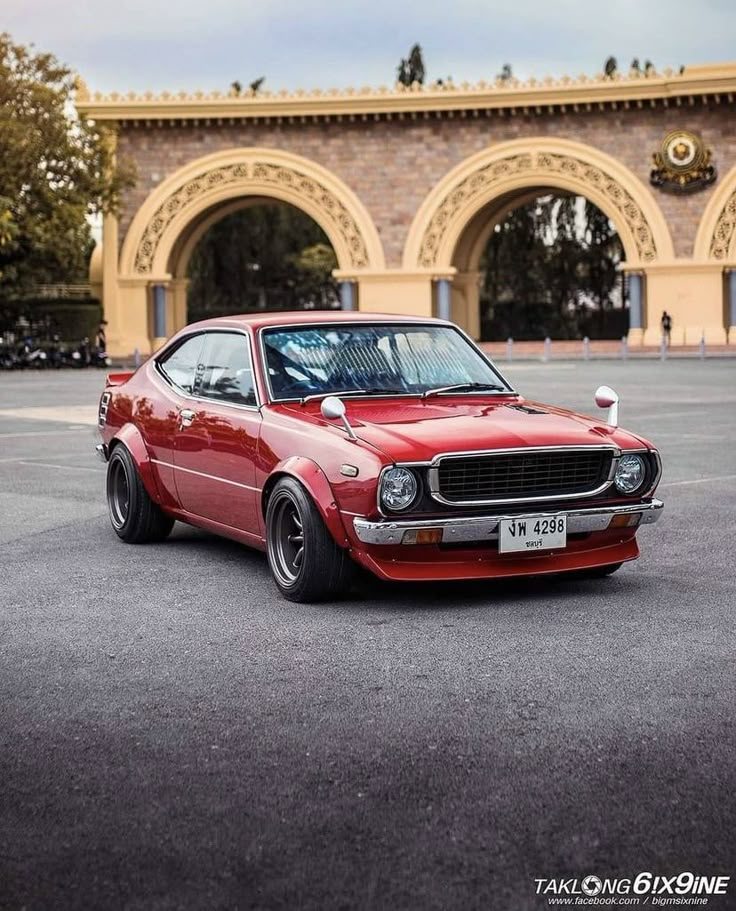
pixel 605 397
pixel 333 409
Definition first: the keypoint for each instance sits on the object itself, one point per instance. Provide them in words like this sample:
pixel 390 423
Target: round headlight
pixel 398 488
pixel 630 473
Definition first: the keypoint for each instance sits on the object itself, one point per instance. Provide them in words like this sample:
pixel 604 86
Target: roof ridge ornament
pixel 505 86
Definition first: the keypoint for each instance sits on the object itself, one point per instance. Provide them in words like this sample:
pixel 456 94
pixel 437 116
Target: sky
pixel 140 45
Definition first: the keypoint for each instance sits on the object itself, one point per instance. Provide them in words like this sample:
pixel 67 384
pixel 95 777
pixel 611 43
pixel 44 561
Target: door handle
pixel 186 417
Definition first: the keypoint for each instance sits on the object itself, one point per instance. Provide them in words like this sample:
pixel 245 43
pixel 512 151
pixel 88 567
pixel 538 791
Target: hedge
pixel 70 319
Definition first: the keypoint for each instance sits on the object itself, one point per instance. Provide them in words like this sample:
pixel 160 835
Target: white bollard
pixel 509 349
pixel 137 358
pixel 547 349
pixel 702 347
pixel 663 349
pixel 586 348
pixel 624 348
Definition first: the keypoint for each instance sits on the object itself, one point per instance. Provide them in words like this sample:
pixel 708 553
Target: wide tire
pixel 306 563
pixel 133 514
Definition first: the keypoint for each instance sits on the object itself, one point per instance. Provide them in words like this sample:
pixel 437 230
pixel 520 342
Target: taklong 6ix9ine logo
pixel 653 886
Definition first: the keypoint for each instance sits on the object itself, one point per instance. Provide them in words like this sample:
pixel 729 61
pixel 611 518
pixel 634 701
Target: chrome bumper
pixel 485 528
pixel 101 451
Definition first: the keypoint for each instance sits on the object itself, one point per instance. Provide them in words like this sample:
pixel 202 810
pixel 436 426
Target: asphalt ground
pixel 173 735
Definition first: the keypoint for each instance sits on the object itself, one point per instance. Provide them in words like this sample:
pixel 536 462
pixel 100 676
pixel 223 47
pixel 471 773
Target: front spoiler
pixel 485 528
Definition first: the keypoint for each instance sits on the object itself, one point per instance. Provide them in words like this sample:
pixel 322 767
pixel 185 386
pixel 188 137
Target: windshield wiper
pixel 461 387
pixel 371 390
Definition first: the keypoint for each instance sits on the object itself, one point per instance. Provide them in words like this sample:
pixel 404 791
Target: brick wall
pixel 392 165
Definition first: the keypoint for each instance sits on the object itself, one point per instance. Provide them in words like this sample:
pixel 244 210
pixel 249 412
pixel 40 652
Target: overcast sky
pixel 190 44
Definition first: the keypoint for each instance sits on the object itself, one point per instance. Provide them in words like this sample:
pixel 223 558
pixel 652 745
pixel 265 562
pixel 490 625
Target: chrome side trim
pixel 101 451
pixel 434 484
pixel 485 528
pixel 202 474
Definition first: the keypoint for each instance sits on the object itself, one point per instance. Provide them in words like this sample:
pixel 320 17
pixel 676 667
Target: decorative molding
pixel 633 88
pixel 217 184
pixel 682 164
pixel 244 177
pixel 723 233
pixel 481 181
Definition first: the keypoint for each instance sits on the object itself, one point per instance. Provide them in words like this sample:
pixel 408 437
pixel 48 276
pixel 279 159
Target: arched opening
pixel 452 227
pixel 151 288
pixel 252 255
pixel 548 264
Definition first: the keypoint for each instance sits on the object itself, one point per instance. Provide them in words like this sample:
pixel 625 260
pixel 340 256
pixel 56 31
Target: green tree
pixel 551 268
pixel 269 256
pixel 411 70
pixel 56 170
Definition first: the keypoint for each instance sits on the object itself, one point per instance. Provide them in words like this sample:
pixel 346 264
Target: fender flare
pixel 130 436
pixel 313 479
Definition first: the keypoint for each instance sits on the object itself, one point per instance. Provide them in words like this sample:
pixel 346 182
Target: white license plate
pixel 527 535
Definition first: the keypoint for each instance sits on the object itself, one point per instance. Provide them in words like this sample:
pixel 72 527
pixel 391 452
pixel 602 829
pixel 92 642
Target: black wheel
pixel 134 516
pixel 599 572
pixel 306 563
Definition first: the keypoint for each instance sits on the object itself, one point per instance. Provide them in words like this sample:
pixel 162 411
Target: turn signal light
pixel 422 536
pixel 625 521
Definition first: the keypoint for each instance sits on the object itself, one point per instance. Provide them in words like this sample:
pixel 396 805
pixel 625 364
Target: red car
pixel 330 440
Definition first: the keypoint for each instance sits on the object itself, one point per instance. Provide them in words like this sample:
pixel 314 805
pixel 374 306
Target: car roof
pixel 255 321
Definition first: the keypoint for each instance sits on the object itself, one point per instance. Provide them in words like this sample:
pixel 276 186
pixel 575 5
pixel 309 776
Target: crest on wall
pixel 682 164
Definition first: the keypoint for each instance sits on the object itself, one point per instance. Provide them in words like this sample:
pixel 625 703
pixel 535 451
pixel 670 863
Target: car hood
pixel 417 430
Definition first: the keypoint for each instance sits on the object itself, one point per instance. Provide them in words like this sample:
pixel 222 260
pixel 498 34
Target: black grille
pixel 524 475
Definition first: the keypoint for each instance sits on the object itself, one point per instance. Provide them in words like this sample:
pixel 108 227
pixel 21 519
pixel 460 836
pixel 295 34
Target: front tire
pixel 133 514
pixel 306 563
pixel 599 572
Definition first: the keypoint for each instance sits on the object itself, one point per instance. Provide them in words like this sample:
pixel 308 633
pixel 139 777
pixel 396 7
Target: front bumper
pixel 485 528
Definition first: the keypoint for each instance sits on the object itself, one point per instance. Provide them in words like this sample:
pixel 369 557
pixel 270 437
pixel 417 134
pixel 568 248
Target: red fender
pixel 131 438
pixel 311 476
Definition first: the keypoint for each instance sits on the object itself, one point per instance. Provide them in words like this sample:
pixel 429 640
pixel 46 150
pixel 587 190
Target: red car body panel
pixel 217 473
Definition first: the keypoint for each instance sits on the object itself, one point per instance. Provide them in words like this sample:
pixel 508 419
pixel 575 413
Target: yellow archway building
pixel 408 185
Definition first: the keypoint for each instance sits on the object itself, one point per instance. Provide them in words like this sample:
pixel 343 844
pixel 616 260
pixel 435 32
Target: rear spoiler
pixel 117 379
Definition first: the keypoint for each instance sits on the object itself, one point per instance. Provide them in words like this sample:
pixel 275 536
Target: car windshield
pixel 373 359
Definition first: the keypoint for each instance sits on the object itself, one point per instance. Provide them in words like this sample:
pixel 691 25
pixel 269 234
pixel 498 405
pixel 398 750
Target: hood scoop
pixel 527 409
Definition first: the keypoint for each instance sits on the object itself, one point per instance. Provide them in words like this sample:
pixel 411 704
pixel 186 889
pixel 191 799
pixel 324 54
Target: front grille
pixel 523 475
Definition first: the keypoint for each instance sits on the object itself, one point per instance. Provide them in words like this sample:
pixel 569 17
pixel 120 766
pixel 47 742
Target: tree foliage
pixel 269 256
pixel 56 170
pixel 551 270
pixel 411 69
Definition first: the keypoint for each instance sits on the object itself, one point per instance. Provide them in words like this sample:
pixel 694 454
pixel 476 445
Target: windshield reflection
pixel 309 362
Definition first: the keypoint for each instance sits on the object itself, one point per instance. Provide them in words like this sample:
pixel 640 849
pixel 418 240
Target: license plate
pixel 527 535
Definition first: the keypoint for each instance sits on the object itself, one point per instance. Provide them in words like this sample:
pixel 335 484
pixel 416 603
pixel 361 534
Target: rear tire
pixel 306 563
pixel 133 514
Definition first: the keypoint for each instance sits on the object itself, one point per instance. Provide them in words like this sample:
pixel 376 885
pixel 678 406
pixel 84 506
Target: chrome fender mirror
pixel 333 409
pixel 605 397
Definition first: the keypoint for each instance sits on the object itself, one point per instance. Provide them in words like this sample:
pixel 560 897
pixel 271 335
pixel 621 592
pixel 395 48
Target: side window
pixel 228 373
pixel 180 367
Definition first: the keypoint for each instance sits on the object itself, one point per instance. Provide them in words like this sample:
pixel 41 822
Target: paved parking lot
pixel 173 735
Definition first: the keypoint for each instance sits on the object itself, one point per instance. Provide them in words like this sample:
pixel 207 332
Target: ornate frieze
pixel 480 181
pixel 249 178
pixel 724 230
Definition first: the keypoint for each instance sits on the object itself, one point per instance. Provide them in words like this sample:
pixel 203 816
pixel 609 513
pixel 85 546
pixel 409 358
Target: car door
pixel 173 378
pixel 217 436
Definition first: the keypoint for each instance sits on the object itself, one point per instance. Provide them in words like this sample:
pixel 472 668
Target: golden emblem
pixel 682 163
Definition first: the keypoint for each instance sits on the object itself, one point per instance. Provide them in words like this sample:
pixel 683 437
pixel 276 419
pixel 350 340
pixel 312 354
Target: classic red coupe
pixel 330 440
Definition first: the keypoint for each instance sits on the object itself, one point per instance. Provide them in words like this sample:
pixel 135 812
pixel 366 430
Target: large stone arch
pixel 216 180
pixel 520 165
pixel 716 237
